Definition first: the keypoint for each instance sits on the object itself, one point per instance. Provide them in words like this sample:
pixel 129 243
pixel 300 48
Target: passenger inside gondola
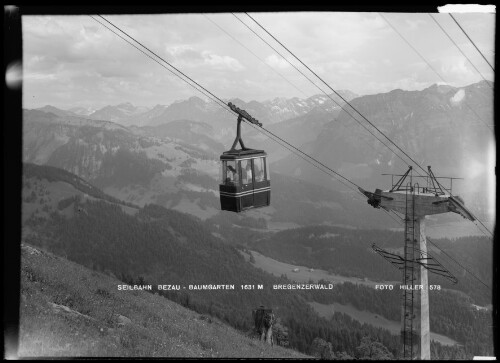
pixel 232 177
pixel 258 169
pixel 246 167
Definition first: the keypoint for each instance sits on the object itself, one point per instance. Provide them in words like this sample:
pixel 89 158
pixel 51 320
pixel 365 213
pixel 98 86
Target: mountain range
pixel 196 109
pixel 440 126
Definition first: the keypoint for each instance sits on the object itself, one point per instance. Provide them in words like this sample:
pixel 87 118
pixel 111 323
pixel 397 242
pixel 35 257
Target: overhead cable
pixel 416 163
pixel 430 66
pixel 474 44
pixel 329 96
pixel 460 50
pixel 343 99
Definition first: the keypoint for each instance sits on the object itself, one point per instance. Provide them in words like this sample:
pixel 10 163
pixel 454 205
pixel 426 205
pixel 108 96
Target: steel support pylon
pixel 415 333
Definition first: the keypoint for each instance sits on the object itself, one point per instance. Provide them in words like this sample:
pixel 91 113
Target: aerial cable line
pixel 458 263
pixel 255 55
pixel 222 103
pixel 225 104
pixel 320 163
pixel 437 247
pixel 255 126
pixel 282 56
pixel 456 45
pixel 149 56
pixel 375 127
pixel 350 106
pixel 319 88
pixel 260 59
pixel 142 45
pixel 355 119
pixel 400 221
pixel 416 51
pixel 316 164
pixel 416 163
pixel 430 66
pixel 455 20
pixel 356 190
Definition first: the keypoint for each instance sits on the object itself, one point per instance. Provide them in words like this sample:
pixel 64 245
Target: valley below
pixel 305 274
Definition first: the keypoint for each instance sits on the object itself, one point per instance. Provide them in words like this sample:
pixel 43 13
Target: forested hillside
pixel 348 252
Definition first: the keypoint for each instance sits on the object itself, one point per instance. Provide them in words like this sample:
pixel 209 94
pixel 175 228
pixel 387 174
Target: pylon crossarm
pixel 434 266
pixel 457 206
pixel 426 260
pixel 395 259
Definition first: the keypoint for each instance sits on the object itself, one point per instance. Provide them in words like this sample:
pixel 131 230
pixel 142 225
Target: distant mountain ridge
pixel 118 112
pixel 441 126
pixel 82 111
pixel 196 109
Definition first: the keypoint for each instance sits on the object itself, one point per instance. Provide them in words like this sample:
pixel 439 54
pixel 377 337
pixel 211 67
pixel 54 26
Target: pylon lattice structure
pixel 415 203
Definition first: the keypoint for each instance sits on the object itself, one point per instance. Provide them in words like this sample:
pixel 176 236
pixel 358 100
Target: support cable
pixel 439 249
pixel 255 55
pixel 149 56
pixel 343 99
pixel 482 55
pixel 460 50
pixel 222 103
pixel 459 264
pixel 260 59
pixel 302 73
pixel 341 96
pixel 431 67
pixel 416 163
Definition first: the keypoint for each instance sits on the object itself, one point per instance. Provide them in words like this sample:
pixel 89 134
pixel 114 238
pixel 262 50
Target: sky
pixel 73 61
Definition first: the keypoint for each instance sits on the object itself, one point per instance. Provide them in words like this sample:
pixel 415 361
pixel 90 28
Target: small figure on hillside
pixel 264 320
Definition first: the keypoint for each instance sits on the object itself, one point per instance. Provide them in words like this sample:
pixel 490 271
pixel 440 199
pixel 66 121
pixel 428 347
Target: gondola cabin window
pixel 260 169
pixel 246 171
pixel 230 172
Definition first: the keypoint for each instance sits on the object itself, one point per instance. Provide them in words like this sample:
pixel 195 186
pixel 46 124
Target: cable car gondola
pixel 245 180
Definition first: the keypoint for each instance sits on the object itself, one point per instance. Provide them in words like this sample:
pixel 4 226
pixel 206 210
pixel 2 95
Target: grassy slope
pixel 86 320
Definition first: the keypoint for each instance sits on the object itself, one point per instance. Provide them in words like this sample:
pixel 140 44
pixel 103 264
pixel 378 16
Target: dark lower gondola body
pixel 238 199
